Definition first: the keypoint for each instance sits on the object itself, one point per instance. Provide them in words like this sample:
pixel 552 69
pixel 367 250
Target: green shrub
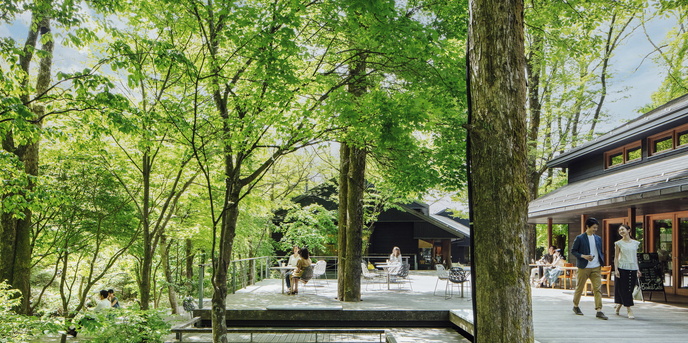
pixel 126 325
pixel 20 328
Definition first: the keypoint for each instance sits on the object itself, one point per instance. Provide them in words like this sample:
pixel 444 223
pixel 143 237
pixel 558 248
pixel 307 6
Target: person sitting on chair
pixel 293 258
pixel 303 263
pixel 552 275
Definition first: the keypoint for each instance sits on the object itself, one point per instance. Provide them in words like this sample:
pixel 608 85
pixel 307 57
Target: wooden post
pixel 549 234
pixel 631 220
pixel 584 217
pixel 446 251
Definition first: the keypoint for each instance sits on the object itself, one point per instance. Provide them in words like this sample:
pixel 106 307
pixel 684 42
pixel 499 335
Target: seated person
pixel 102 305
pixel 293 258
pixel 394 260
pixel 543 264
pixel 303 263
pixel 552 275
pixel 113 299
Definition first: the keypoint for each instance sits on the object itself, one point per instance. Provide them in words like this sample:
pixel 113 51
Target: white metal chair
pixel 442 274
pixel 319 270
pixel 366 274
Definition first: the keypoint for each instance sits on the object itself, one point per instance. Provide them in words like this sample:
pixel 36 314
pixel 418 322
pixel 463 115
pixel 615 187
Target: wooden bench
pixel 186 327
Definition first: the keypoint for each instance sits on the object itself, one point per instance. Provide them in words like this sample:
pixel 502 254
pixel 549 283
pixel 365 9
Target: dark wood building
pixel 421 236
pixel 637 174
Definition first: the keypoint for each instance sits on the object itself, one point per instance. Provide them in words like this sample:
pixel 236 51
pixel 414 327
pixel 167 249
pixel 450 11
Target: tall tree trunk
pixel 223 258
pixel 15 250
pixel 341 220
pixel 354 224
pixel 534 63
pixel 351 211
pixel 165 256
pixel 147 262
pixel 498 152
pixel 189 262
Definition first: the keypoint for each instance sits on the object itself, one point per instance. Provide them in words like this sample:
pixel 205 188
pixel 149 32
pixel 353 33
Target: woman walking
pixel 626 270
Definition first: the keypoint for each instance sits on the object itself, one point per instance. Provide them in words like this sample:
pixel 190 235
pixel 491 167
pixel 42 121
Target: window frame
pixel 682 128
pixel 624 153
pixel 673 134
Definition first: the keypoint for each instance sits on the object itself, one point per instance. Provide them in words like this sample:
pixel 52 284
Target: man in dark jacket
pixel 588 250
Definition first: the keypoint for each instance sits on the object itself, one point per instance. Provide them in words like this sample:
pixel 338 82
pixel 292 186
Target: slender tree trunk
pixel 354 229
pixel 497 131
pixel 224 255
pixel 533 66
pixel 342 221
pixel 189 262
pixel 165 256
pixel 147 262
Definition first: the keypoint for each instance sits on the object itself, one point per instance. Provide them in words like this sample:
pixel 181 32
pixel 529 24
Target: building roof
pixel 454 225
pixel 322 194
pixel 648 124
pixel 648 182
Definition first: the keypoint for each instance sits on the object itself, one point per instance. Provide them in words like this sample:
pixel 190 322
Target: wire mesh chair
pixel 457 276
pixel 402 273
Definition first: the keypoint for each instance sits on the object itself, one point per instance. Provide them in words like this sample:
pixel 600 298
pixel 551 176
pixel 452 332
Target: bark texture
pixel 165 256
pixel 341 220
pixel 352 184
pixel 497 131
pixel 354 224
pixel 15 236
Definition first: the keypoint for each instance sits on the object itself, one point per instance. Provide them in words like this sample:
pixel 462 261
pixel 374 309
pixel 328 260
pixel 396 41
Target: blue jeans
pixel 288 277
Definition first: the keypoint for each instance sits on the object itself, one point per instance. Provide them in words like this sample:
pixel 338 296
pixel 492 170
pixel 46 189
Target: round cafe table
pixel 283 270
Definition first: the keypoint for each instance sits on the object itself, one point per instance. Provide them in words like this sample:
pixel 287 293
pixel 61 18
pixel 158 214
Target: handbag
pixel 638 292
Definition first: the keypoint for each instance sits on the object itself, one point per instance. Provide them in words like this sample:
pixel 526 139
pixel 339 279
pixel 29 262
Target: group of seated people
pixel 551 268
pixel 106 301
pixel 300 259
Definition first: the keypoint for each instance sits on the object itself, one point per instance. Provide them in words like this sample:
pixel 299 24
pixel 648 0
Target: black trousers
pixel 623 287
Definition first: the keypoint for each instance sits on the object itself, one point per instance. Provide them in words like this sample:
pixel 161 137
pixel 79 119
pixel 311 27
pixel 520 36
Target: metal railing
pixel 248 271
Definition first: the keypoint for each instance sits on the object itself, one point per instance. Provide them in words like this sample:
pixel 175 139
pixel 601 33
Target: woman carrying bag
pixel 626 270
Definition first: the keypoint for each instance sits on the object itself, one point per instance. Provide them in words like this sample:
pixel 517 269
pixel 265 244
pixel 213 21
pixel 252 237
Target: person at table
pixel 303 263
pixel 552 274
pixel 395 257
pixel 589 254
pixel 394 260
pixel 542 263
pixel 626 271
pixel 293 258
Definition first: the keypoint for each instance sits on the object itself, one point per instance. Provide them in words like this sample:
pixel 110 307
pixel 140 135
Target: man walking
pixel 588 250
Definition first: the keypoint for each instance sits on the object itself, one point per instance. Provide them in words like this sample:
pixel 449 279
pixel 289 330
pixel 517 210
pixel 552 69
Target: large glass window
pixel 662 230
pixel 683 252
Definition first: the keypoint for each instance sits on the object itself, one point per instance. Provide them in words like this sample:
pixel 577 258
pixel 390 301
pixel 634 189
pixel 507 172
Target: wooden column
pixel 584 217
pixel 446 251
pixel 631 220
pixel 549 234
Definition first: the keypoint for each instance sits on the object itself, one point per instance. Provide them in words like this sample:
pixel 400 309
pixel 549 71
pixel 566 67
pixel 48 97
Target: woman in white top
pixel 395 257
pixel 293 258
pixel 552 274
pixel 626 272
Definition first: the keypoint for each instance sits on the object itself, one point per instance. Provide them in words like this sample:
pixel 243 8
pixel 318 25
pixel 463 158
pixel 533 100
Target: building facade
pixel 636 174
